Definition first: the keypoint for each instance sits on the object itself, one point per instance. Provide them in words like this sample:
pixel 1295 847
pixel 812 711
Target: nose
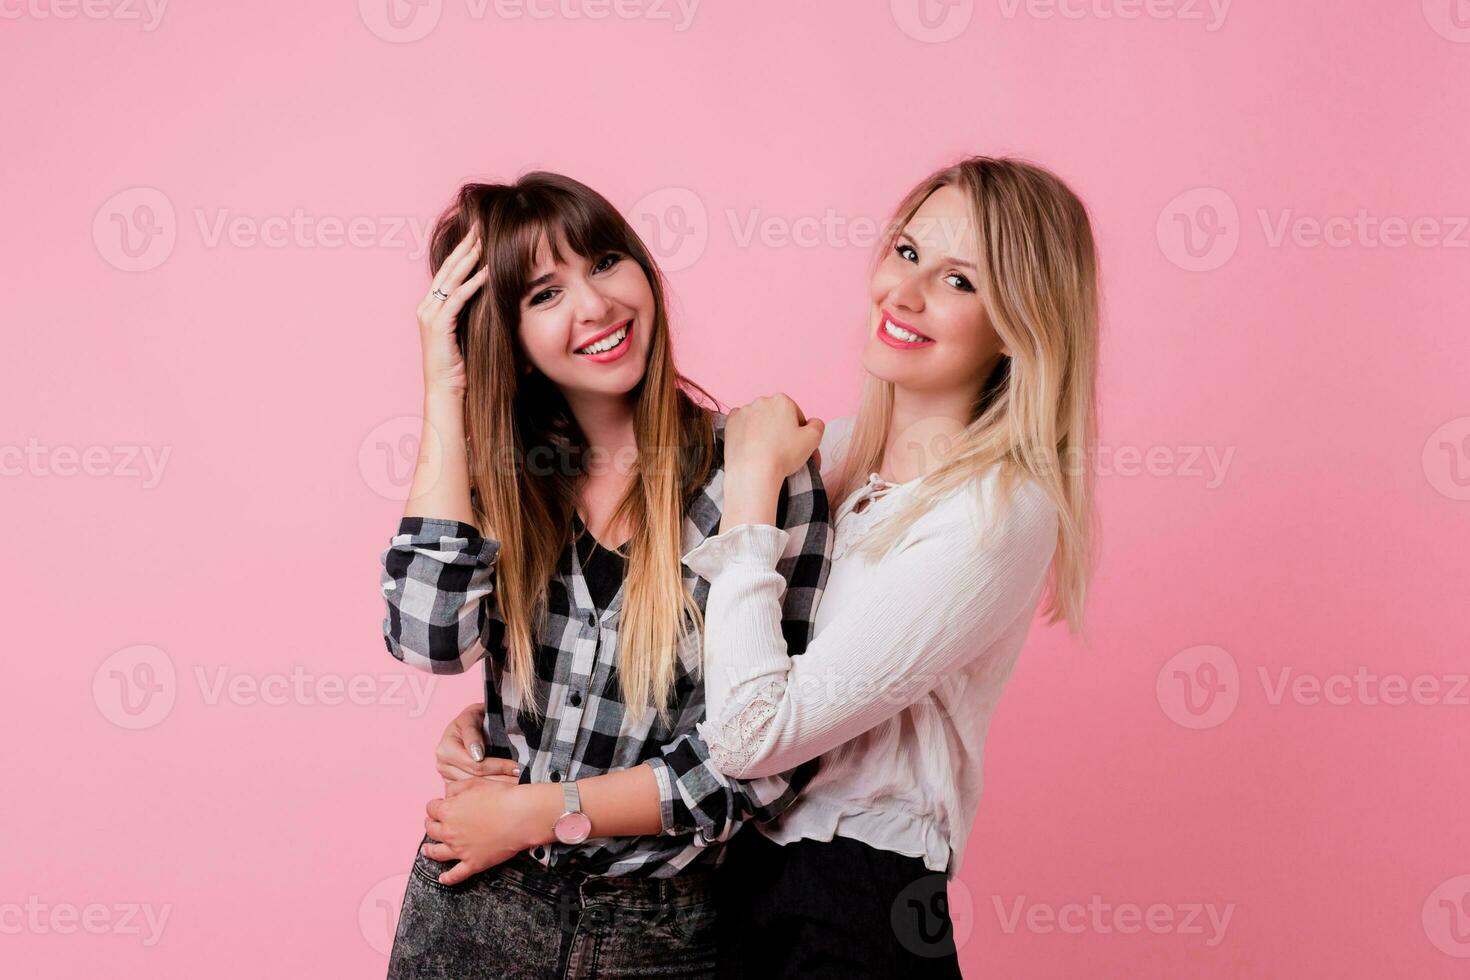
pixel 908 294
pixel 592 306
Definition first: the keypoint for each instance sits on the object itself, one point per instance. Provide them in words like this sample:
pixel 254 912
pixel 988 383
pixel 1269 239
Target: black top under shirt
pixel 603 569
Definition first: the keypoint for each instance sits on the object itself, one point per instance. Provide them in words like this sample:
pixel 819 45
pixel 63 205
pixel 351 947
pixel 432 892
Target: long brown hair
pixel 526 450
pixel 1035 415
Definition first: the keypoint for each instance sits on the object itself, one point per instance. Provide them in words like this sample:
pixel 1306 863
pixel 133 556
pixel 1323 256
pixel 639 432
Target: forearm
pixel 619 804
pixel 441 477
pixel 747 664
pixel 751 497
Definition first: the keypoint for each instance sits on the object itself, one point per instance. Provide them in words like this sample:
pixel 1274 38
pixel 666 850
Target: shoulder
pixel 993 516
pixel 803 499
pixel 1023 501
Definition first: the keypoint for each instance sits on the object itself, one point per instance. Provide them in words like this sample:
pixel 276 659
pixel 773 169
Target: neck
pixel 607 422
pixel 923 424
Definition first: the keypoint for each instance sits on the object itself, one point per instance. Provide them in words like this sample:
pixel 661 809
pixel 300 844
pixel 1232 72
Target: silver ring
pixel 440 293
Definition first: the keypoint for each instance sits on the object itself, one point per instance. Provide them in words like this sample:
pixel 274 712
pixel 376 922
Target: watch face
pixel 572 828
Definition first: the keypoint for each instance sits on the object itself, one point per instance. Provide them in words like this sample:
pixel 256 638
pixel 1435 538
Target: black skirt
pixel 839 909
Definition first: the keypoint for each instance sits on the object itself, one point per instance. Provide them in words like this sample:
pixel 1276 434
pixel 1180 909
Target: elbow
pixel 760 768
pixel 752 758
pixel 727 764
pixel 718 833
pixel 427 661
pixel 434 643
pixel 741 746
pixel 741 761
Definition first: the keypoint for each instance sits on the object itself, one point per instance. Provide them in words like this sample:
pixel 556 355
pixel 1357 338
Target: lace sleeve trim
pixel 739 737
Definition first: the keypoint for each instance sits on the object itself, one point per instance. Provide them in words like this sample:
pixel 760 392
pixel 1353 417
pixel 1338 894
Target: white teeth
pixel 606 343
pixel 907 336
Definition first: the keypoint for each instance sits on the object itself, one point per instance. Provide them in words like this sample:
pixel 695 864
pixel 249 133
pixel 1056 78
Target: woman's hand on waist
pixel 460 753
pixel 485 821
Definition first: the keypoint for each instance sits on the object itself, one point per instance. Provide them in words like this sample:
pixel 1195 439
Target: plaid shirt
pixel 438 578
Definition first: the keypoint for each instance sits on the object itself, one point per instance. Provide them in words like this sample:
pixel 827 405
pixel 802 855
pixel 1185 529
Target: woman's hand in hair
pixel 460 276
pixel 765 442
pixel 460 753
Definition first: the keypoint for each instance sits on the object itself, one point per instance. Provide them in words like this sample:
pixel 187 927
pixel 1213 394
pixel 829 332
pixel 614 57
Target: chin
pixel 886 364
pixel 625 378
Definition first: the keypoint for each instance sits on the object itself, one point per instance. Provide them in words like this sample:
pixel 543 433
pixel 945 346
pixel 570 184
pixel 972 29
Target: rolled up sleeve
pixel 438 583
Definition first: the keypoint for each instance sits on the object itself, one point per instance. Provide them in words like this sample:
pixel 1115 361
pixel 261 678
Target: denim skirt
pixel 524 921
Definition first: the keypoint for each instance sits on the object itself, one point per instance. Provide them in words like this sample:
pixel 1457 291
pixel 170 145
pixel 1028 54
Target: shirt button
pixel 539 853
pixel 555 776
pixel 592 620
pixel 575 699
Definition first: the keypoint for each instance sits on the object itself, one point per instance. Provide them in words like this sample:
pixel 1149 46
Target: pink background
pixel 273 823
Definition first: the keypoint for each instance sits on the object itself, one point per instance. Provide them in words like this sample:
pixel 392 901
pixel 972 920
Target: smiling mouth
pixel 901 335
pixel 608 341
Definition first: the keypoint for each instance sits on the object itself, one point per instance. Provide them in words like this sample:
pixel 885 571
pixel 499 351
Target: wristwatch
pixel 573 826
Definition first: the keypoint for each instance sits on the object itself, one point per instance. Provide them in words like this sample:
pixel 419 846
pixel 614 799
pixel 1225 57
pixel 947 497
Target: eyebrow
pixel 952 260
pixel 539 280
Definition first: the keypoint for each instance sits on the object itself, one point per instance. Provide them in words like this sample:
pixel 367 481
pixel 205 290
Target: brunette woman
pixel 564 471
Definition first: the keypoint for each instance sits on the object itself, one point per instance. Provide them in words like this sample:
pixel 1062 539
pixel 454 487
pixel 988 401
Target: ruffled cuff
pixel 760 545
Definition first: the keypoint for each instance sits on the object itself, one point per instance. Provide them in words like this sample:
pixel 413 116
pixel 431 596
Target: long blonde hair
pixel 1034 416
pixel 514 417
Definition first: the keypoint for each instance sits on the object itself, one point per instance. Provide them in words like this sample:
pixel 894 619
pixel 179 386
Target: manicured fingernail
pixel 477 753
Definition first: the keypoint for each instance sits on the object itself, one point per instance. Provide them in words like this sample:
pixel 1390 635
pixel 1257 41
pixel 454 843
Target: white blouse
pixel 909 656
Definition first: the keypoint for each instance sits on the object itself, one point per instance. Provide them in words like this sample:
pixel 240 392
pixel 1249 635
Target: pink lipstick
pixel 895 340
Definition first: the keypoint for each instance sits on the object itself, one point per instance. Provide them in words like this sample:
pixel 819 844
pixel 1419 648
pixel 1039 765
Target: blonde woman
pixel 564 470
pixel 963 502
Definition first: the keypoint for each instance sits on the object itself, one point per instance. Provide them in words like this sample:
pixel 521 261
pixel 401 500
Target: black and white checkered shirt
pixel 438 577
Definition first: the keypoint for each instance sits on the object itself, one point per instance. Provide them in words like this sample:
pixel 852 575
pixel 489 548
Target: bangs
pixel 519 225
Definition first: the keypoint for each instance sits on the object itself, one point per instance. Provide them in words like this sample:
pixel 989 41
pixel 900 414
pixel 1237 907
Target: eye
pixel 907 252
pixel 606 262
pixel 959 282
pixel 541 297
